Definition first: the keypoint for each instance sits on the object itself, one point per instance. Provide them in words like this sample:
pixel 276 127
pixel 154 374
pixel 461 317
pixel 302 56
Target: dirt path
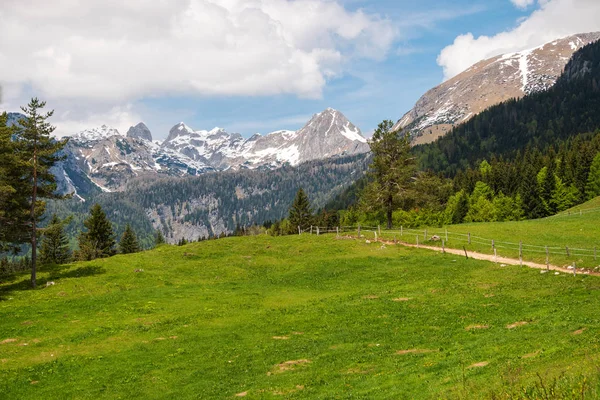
pixel 500 260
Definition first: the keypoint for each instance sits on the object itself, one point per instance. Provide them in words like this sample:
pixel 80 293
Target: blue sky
pixel 257 65
pixel 369 91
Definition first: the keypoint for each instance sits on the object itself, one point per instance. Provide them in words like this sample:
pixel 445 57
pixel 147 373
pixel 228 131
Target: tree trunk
pixel 33 224
pixel 389 210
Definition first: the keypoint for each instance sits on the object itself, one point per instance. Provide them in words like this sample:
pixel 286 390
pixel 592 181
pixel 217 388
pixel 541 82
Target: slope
pixel 297 317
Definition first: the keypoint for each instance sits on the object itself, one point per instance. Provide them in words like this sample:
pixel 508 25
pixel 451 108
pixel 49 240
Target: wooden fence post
pixel 574 269
pixel 400 230
pixel 521 252
pixel 443 247
pixel 337 231
pixel 568 253
pixel 359 231
pixel 375 235
pixel 446 234
pixel 425 235
pixel 299 230
pixel 311 229
pixel 417 241
pixel 379 229
pixel 317 231
pixel 469 237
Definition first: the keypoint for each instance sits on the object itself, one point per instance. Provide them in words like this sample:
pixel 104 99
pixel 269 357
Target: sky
pixel 256 65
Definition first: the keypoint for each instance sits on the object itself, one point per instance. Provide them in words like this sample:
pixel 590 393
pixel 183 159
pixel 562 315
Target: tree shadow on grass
pixel 56 274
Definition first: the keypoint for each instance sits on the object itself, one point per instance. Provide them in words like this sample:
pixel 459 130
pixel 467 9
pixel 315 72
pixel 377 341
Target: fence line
pixel 449 236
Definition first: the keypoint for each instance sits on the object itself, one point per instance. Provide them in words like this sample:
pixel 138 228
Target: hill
pixel 298 317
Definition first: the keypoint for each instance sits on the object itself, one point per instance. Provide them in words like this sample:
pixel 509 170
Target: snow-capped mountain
pixel 327 134
pixel 102 159
pixel 487 83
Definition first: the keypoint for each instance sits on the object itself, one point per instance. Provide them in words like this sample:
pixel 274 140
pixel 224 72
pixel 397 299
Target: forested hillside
pixel 536 121
pixel 215 203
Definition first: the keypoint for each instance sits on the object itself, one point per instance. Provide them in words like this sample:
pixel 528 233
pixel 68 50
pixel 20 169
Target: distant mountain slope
pixel 487 83
pixel 215 203
pixel 540 119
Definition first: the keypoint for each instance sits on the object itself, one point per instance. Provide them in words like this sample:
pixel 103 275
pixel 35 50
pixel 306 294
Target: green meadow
pixel 298 317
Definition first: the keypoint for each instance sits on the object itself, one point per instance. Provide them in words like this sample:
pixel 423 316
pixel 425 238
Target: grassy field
pixel 579 232
pixel 298 317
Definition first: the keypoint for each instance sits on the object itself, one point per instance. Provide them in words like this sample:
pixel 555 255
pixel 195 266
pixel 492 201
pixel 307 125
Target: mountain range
pixel 104 160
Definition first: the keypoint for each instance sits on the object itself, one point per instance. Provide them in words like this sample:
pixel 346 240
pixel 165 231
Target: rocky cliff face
pixel 487 83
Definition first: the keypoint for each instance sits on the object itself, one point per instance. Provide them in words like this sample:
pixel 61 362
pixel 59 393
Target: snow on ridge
pixel 353 134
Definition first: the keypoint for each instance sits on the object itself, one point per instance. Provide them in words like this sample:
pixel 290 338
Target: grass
pixel 579 232
pixel 298 317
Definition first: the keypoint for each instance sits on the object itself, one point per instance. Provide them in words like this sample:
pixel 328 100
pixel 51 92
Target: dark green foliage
pixel 98 240
pixel 129 243
pixel 592 187
pixel 55 243
pixel 14 190
pixel 300 214
pixel 392 171
pixel 160 238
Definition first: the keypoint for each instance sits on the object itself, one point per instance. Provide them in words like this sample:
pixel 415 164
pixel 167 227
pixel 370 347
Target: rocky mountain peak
pixel 487 83
pixel 96 134
pixel 140 131
pixel 179 129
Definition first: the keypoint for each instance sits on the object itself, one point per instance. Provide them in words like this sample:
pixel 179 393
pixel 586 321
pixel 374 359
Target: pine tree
pixel 592 188
pixel 160 238
pixel 98 241
pixel 129 242
pixel 14 189
pixel 392 171
pixel 300 214
pixel 55 243
pixel 41 152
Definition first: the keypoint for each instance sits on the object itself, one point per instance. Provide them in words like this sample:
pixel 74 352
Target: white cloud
pixel 116 51
pixel 554 19
pixel 522 4
pixel 119 117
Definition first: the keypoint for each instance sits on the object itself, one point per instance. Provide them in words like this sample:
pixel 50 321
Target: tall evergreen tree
pixel 592 188
pixel 41 152
pixel 14 199
pixel 98 241
pixel 129 242
pixel 300 214
pixel 55 243
pixel 392 171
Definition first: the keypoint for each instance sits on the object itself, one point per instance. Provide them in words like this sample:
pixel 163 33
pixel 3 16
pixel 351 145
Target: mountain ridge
pixel 487 83
pixel 109 160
